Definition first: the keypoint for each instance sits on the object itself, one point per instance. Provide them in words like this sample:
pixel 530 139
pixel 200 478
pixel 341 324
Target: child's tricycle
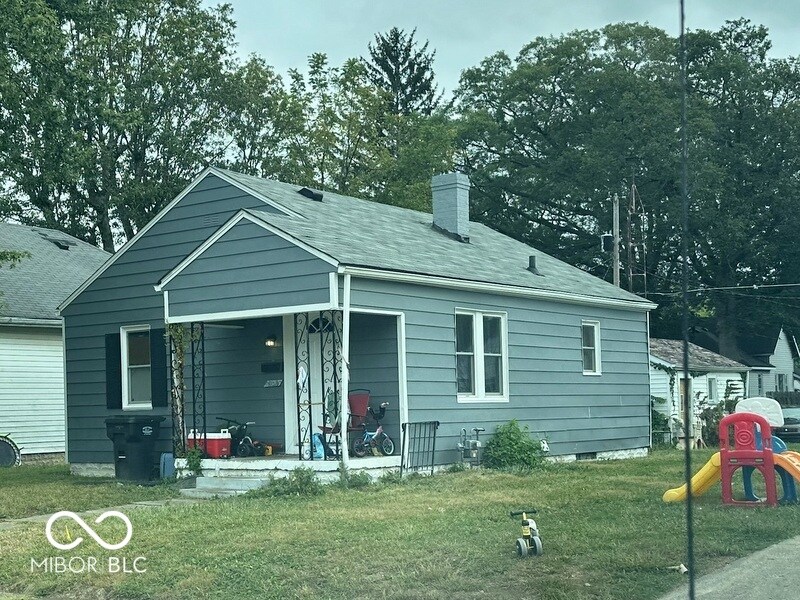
pixel 530 544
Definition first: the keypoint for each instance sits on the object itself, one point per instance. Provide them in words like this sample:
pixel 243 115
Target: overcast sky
pixel 463 32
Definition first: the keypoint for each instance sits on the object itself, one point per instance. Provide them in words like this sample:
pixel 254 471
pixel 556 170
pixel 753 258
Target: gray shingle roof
pixel 671 351
pixel 37 285
pixel 367 234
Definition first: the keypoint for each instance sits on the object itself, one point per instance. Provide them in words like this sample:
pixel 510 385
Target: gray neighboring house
pixel 31 344
pixel 299 296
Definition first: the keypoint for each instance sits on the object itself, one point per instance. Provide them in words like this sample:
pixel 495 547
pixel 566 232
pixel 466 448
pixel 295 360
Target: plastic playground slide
pixel 710 474
pixel 701 482
pixel 790 461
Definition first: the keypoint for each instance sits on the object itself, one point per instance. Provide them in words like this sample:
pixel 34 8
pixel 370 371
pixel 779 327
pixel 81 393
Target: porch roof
pixel 362 233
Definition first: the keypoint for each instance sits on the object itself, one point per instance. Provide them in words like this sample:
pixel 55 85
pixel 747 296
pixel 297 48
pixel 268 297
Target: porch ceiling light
pixel 271 341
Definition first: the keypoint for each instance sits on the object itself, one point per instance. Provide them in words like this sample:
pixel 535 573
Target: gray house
pixel 31 345
pixel 292 297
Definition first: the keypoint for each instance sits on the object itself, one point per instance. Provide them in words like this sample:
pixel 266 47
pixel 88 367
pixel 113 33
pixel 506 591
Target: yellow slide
pixel 789 461
pixel 702 481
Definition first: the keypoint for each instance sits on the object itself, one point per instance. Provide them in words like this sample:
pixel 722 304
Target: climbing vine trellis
pixel 179 337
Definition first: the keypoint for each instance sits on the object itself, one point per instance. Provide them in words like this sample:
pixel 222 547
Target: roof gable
pixel 197 181
pixel 222 235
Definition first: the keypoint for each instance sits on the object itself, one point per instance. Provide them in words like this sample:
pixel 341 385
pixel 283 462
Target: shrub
pixel 302 481
pixel 512 447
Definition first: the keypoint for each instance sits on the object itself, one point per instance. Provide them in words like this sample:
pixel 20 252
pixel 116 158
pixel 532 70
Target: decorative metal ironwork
pixel 330 333
pixel 318 407
pixel 419 446
pixel 303 374
pixel 197 336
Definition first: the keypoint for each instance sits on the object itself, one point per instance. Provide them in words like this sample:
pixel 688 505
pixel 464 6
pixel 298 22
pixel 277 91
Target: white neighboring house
pixel 712 378
pixel 770 355
pixel 31 344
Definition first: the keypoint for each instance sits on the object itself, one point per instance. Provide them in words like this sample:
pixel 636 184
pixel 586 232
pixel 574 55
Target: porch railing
pixel 419 446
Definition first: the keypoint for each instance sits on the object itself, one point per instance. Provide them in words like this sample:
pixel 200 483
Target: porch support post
pixel 344 405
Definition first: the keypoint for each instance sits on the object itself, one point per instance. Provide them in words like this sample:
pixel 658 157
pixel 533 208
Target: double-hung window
pixel 136 370
pixel 481 356
pixel 590 347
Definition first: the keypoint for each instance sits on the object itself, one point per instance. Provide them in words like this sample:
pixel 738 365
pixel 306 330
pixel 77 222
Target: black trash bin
pixel 134 438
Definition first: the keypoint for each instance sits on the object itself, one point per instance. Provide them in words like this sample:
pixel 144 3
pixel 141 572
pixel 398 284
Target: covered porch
pixel 288 375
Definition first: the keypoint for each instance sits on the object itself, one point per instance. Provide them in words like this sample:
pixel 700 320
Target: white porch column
pixel 344 405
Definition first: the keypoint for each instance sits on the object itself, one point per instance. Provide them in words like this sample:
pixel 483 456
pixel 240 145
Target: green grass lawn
pixel 40 489
pixel 606 534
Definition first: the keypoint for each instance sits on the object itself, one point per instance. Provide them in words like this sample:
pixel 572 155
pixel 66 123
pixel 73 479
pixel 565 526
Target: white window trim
pixel 480 395
pixel 123 346
pixel 598 363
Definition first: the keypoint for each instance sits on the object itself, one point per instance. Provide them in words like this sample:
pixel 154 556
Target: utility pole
pixel 616 241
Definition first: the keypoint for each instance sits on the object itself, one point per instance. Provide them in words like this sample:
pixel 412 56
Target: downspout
pixel 344 405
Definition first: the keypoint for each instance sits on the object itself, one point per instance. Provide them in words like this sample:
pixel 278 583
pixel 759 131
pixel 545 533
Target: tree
pixel 108 108
pixel 403 69
pixel 333 141
pixel 550 136
pixel 260 118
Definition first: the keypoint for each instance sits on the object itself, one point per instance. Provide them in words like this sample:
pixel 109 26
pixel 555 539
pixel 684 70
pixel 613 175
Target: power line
pixel 755 286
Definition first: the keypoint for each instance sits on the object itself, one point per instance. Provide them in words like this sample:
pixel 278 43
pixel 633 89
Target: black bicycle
pixel 242 445
pixel 9 452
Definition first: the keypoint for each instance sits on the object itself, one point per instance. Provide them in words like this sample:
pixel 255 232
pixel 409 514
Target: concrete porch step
pixel 234 484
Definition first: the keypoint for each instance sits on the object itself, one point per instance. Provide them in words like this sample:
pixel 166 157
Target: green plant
pixel 390 478
pixel 659 424
pixel 350 480
pixel 512 446
pixel 194 456
pixel 302 481
pixel 456 467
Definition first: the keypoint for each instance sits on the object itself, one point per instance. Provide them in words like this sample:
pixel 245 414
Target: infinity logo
pixel 48 530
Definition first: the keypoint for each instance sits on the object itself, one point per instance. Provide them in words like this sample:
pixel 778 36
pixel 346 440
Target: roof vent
pixel 532 265
pixel 62 243
pixel 310 194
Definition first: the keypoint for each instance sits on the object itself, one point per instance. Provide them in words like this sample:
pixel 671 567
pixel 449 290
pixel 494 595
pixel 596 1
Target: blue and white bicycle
pixel 374 442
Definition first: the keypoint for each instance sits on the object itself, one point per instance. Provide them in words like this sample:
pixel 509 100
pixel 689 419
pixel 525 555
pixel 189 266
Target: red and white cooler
pixel 215 445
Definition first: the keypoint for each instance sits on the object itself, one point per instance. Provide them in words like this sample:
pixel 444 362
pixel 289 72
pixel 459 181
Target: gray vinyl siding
pixel 374 366
pixel 249 268
pixel 235 383
pixel 124 295
pixel 548 391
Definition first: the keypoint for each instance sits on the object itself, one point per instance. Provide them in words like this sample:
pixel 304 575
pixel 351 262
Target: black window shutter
pixel 113 372
pixel 158 367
